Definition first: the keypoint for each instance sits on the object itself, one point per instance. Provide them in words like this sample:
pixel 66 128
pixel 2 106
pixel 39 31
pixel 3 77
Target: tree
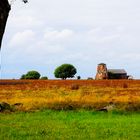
pixel 31 75
pixel 65 71
pixel 44 78
pixel 5 8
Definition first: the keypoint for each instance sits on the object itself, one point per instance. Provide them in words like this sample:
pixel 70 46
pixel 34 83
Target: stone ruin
pixel 104 73
pixel 101 72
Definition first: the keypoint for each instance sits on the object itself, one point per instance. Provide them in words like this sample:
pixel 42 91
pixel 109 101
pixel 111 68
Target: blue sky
pixel 43 35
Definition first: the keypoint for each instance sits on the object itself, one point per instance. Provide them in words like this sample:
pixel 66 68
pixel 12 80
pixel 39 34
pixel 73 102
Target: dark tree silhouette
pixel 5 8
pixel 4 12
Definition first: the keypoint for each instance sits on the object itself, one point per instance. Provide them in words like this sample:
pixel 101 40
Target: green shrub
pixel 78 77
pixel 89 78
pixel 44 78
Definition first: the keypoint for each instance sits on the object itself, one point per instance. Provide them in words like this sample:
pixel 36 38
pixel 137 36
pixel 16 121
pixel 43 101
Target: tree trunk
pixel 4 12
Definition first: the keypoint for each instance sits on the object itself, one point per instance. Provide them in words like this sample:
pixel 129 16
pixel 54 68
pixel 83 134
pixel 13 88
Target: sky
pixel 43 35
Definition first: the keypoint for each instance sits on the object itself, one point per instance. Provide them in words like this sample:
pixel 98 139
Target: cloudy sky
pixel 43 35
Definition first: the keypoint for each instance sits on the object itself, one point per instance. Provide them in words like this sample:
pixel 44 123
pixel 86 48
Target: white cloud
pixel 25 21
pixel 22 37
pixel 132 56
pixel 99 35
pixel 55 35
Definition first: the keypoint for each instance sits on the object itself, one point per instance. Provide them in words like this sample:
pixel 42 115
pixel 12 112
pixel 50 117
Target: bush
pixel 89 78
pixel 65 71
pixel 31 75
pixel 44 78
pixel 78 77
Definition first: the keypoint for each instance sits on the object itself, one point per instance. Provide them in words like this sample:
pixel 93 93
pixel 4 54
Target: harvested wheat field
pixel 31 95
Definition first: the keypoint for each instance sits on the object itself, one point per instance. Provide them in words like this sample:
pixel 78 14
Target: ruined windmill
pixel 101 72
pixel 104 73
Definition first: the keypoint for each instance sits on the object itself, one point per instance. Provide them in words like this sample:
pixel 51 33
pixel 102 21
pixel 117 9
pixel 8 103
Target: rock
pixel 5 106
pixel 18 104
pixel 110 107
pixel 103 109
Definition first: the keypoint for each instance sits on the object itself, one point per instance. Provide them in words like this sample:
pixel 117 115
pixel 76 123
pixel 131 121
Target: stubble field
pixel 71 94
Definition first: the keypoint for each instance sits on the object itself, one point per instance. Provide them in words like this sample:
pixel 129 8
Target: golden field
pixel 71 94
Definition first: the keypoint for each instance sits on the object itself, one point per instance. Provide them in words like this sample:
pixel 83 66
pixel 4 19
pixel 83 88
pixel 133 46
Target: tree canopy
pixel 65 71
pixel 31 75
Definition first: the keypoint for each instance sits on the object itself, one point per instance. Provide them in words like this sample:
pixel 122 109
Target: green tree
pixel 31 75
pixel 65 71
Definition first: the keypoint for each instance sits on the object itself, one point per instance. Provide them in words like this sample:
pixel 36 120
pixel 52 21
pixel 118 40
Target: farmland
pixel 70 109
pixel 71 94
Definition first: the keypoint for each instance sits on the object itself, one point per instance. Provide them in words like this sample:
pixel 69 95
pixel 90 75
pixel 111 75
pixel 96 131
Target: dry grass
pixel 71 94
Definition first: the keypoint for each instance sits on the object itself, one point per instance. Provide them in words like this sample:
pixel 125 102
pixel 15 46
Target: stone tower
pixel 101 72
